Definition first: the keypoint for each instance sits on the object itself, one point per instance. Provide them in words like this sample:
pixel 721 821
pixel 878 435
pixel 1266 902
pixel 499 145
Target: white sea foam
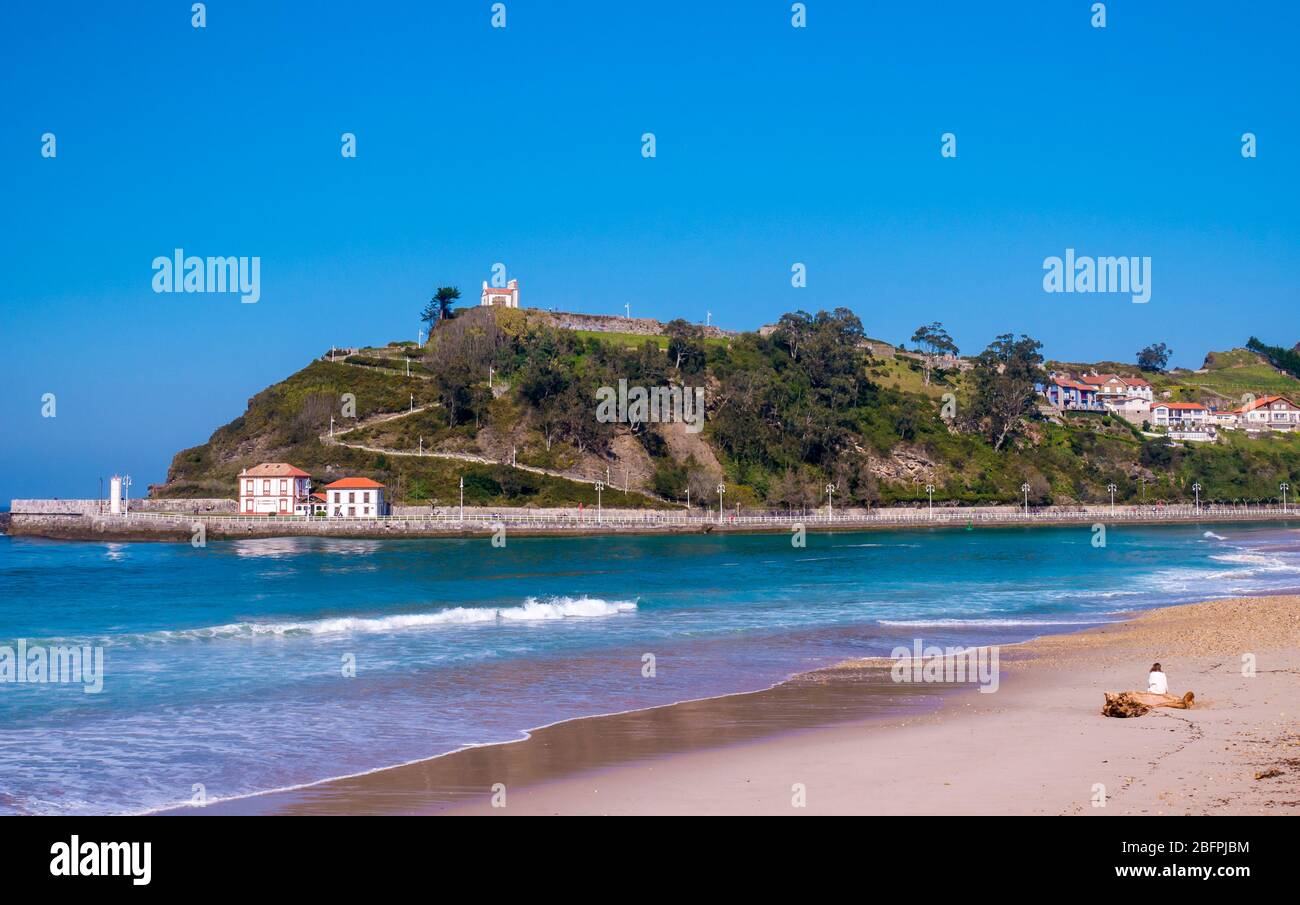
pixel 1212 536
pixel 532 610
pixel 930 623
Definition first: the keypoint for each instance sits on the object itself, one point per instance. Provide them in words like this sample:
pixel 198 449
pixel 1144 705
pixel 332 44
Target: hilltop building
pixel 504 298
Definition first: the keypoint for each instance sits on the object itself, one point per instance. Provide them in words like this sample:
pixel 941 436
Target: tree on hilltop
pixel 933 341
pixel 439 307
pixel 1154 357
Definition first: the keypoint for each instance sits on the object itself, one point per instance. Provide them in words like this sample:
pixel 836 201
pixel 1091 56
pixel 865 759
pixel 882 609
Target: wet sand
pixel 849 740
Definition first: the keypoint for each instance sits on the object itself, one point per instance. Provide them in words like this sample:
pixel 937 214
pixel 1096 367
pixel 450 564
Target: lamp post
pixel 1196 488
pixel 1024 488
pixel 126 494
pixel 722 488
pixel 600 485
pixel 412 402
pixel 830 492
pixel 489 377
pixel 1112 488
pixel 929 489
pixel 688 501
pixel 408 367
pixel 331 425
pixel 1284 487
pixel 421 446
pixel 462 498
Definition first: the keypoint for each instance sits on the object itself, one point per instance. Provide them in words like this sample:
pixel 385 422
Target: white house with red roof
pixel 273 488
pixel 1268 413
pixel 1179 414
pixel 355 498
pixel 505 298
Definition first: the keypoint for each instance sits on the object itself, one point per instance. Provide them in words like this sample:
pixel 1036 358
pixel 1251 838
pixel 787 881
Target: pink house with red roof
pixel 273 488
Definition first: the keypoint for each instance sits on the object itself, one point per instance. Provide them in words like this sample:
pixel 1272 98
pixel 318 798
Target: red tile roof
pixel 274 470
pixel 1265 400
pixel 353 484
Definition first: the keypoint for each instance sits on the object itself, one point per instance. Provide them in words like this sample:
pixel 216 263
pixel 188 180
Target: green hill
pixel 786 414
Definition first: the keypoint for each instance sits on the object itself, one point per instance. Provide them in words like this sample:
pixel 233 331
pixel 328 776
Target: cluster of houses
pixel 278 488
pixel 1133 399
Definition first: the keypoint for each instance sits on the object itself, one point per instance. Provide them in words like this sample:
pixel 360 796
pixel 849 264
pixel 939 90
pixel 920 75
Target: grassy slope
pixel 284 421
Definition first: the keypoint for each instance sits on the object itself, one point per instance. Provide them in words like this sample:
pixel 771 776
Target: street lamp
pixel 1112 488
pixel 929 489
pixel 722 488
pixel 1284 487
pixel 830 492
pixel 412 402
pixel 1025 489
pixel 600 485
pixel 126 494
pixel 462 498
pixel 421 446
pixel 688 501
pixel 331 425
pixel 1196 488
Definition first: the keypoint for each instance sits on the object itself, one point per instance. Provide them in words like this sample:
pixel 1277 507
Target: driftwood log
pixel 1136 703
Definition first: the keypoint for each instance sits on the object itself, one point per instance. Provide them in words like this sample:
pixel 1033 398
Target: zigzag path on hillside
pixel 326 439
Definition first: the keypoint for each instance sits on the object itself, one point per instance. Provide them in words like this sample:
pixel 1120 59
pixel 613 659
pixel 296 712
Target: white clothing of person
pixel 1157 683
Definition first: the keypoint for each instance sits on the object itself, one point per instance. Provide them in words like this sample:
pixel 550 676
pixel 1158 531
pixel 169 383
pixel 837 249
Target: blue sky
pixel 522 145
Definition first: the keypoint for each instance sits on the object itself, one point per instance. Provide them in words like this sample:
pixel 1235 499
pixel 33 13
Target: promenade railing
pixel 451 520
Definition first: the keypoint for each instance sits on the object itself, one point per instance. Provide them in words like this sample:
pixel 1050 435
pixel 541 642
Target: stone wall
pixel 607 323
pixel 91 507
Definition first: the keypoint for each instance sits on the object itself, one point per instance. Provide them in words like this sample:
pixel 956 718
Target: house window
pixel 352 497
pixel 248 505
pixel 248 486
pixel 266 487
pixel 352 510
pixel 365 497
pixel 284 486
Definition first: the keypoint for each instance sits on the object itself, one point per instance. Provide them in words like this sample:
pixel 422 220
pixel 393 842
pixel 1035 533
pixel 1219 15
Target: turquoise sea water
pixel 224 666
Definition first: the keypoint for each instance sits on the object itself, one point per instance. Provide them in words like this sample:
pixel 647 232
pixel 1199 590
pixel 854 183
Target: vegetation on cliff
pixel 787 413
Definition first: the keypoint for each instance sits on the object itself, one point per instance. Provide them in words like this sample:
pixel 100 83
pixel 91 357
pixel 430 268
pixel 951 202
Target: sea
pixel 256 665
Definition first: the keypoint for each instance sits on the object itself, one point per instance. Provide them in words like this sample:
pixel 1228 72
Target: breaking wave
pixel 532 610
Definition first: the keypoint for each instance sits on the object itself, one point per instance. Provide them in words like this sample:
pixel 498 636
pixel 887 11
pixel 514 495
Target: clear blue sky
pixel 522 145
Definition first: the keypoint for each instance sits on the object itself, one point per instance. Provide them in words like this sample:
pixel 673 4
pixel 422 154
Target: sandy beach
pixel 849 740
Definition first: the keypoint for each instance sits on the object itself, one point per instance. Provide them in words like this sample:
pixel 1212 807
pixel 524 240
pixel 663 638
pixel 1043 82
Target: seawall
pixel 523 523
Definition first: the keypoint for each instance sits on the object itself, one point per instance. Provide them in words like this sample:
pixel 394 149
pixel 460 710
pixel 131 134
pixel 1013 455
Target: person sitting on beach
pixel 1156 681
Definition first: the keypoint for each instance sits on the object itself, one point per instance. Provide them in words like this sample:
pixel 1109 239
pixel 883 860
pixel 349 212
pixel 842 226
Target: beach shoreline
pixel 846 739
